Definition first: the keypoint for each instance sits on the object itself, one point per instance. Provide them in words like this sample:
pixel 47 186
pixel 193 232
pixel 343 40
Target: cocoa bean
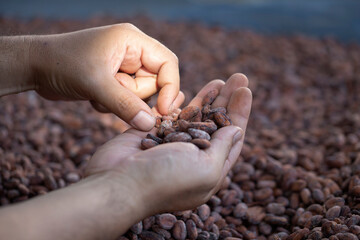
pixel 221 119
pixel 276 220
pixel 178 137
pixel 240 210
pixel 196 133
pixel 166 221
pixel 191 229
pixel 255 214
pixel 137 228
pixel 191 113
pixel 155 138
pixel 147 235
pixel 333 212
pixel 179 230
pixel 162 232
pixel 210 97
pixel 204 212
pixel 148 143
pixel 336 201
pixel 275 208
pixel 201 143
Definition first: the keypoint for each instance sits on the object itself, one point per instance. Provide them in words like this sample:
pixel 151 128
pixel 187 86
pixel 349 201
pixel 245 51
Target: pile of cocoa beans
pixel 298 173
pixel 190 124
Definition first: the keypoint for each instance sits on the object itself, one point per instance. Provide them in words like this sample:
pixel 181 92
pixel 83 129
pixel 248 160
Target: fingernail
pixel 238 135
pixel 143 121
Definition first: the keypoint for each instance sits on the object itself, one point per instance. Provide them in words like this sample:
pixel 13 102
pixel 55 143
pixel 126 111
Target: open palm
pixel 178 176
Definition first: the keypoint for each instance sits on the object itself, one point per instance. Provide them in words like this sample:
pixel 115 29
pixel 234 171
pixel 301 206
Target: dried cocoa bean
pixel 166 221
pixel 178 137
pixel 155 138
pixel 201 143
pixel 221 119
pixel 191 229
pixel 179 230
pixel 191 113
pixel 196 133
pixel 210 97
pixel 148 143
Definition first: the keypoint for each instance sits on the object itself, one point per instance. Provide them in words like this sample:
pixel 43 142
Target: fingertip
pixel 240 78
pixel 167 97
pixel 143 121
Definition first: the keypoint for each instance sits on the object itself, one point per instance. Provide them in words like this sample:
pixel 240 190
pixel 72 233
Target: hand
pixel 97 64
pixel 178 176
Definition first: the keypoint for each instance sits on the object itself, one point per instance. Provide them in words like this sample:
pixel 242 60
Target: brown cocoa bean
pixel 196 133
pixel 346 236
pixel 276 220
pixel 137 228
pixel 191 114
pixel 178 137
pixel 207 126
pixel 147 235
pixel 162 232
pixel 240 210
pixel 318 195
pixel 335 201
pixel 275 208
pixel 197 220
pixel 298 185
pixel 204 212
pixel 255 214
pixel 166 221
pixel 333 212
pixel 221 119
pixel 210 97
pixel 191 229
pixel 179 230
pixel 167 131
pixel 148 143
pixel 201 143
pixel 148 222
pixel 155 138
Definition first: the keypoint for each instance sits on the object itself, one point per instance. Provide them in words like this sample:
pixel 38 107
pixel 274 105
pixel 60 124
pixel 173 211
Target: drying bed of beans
pixel 298 173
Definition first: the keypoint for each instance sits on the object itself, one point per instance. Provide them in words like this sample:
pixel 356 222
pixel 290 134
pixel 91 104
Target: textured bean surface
pixel 298 173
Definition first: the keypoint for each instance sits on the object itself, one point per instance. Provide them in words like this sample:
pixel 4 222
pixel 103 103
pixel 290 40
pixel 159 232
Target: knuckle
pixel 128 26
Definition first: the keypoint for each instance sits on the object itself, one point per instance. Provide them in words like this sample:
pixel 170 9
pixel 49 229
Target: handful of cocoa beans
pixel 190 124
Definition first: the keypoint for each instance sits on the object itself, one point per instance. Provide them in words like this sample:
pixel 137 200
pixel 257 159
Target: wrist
pixel 121 193
pixel 15 65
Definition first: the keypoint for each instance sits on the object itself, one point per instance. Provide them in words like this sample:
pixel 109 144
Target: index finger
pixel 160 60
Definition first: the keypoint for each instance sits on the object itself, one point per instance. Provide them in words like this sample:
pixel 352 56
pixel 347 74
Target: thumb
pixel 125 104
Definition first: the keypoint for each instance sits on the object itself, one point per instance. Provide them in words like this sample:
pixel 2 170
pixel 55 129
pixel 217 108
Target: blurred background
pixel 338 18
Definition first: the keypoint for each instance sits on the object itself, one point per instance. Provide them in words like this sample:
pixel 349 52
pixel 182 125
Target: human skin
pixel 94 64
pixel 123 184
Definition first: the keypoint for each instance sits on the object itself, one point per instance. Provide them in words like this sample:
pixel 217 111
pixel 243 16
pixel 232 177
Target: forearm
pixel 94 208
pixel 15 65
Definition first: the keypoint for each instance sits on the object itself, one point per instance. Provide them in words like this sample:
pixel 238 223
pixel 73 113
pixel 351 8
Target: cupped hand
pixel 178 176
pixel 112 66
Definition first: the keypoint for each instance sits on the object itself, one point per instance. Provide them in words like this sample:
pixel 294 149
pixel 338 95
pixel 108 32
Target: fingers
pixel 239 111
pixel 124 104
pixel 99 107
pixel 142 86
pixel 176 104
pixel 158 59
pixel 215 84
pixel 239 107
pixel 236 81
pixel 221 144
